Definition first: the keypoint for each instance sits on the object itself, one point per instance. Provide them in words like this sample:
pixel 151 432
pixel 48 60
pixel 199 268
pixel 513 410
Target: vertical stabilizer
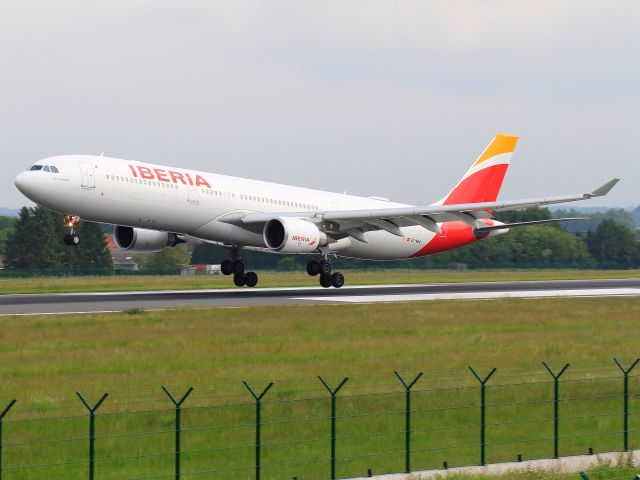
pixel 483 180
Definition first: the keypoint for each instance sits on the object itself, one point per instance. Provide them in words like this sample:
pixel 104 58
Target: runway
pixel 60 303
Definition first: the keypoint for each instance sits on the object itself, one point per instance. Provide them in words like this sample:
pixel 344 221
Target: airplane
pixel 154 206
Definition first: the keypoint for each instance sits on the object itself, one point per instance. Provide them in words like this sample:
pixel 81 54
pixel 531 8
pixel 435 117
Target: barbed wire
pixel 345 397
pixel 323 439
pixel 361 382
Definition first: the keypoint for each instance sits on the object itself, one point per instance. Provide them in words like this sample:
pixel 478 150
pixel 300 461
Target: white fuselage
pixel 198 204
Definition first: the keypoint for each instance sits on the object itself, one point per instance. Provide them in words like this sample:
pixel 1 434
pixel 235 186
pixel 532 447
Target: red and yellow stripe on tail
pixel 483 180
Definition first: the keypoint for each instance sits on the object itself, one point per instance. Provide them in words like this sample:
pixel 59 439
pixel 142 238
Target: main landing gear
pixel 72 238
pixel 235 267
pixel 323 268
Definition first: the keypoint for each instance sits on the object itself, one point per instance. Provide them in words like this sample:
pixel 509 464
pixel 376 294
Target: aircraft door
pixel 192 194
pixel 88 176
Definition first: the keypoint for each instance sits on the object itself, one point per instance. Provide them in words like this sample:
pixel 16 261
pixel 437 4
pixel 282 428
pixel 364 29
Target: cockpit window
pixel 54 169
pixel 36 167
pixel 46 168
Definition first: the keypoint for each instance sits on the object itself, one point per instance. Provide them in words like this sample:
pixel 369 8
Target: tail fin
pixel 483 180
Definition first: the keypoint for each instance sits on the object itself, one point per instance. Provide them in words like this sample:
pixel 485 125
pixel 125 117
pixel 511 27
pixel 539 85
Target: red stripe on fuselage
pixel 454 235
pixel 482 186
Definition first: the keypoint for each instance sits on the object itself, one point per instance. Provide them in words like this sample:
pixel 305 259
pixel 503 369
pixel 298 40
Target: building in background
pixel 122 260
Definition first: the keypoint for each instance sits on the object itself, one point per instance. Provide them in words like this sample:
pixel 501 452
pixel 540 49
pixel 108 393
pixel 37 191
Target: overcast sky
pixel 387 98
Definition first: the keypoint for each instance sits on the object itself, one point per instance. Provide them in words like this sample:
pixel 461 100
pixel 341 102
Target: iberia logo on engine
pixel 302 239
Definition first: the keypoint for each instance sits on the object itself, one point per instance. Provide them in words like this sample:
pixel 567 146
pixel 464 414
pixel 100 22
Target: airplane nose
pixel 22 182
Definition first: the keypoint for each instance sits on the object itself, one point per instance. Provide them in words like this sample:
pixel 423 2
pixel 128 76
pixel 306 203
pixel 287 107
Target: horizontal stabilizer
pixel 526 224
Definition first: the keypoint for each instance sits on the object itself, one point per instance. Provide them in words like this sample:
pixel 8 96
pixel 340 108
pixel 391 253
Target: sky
pixel 383 98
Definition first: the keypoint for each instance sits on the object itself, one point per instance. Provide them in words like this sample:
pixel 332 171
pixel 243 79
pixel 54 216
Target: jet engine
pixel 293 235
pixel 143 240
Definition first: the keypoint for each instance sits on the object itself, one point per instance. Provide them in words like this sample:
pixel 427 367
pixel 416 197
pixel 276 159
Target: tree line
pixel 32 242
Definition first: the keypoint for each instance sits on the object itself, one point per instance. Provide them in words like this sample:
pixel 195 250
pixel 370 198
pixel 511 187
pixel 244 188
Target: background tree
pixel 167 260
pixel 594 219
pixel 32 244
pixel 6 227
pixel 526 215
pixel 17 251
pixel 92 254
pixel 614 246
pixel 36 244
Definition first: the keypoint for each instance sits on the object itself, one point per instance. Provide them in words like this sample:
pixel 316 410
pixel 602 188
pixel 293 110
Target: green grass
pixel 43 360
pixel 286 279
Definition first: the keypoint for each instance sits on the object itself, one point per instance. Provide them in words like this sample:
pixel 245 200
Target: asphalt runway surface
pixel 59 303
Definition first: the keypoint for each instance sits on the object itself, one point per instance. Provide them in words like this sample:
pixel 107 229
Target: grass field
pixel 43 360
pixel 286 279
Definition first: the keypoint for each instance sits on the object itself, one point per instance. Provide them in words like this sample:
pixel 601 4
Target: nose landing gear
pixel 72 238
pixel 235 267
pixel 323 268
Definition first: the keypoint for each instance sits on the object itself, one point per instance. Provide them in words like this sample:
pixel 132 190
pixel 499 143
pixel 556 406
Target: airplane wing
pixel 355 222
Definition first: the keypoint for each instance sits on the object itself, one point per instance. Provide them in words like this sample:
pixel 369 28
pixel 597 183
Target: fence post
pixel 92 430
pixel 556 406
pixel 626 373
pixel 333 393
pixel 178 405
pixel 258 399
pixel 483 409
pixel 2 415
pixel 407 422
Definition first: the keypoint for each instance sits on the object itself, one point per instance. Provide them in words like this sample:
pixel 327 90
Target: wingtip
pixel 604 189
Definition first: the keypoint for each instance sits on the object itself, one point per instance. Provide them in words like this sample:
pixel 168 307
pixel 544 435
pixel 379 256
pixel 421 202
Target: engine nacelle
pixel 143 240
pixel 293 235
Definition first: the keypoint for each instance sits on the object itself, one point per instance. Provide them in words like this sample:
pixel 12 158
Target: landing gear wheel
pixel 337 280
pixel 325 267
pixel 239 280
pixel 251 279
pixel 238 267
pixel 325 280
pixel 71 239
pixel 313 268
pixel 226 267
